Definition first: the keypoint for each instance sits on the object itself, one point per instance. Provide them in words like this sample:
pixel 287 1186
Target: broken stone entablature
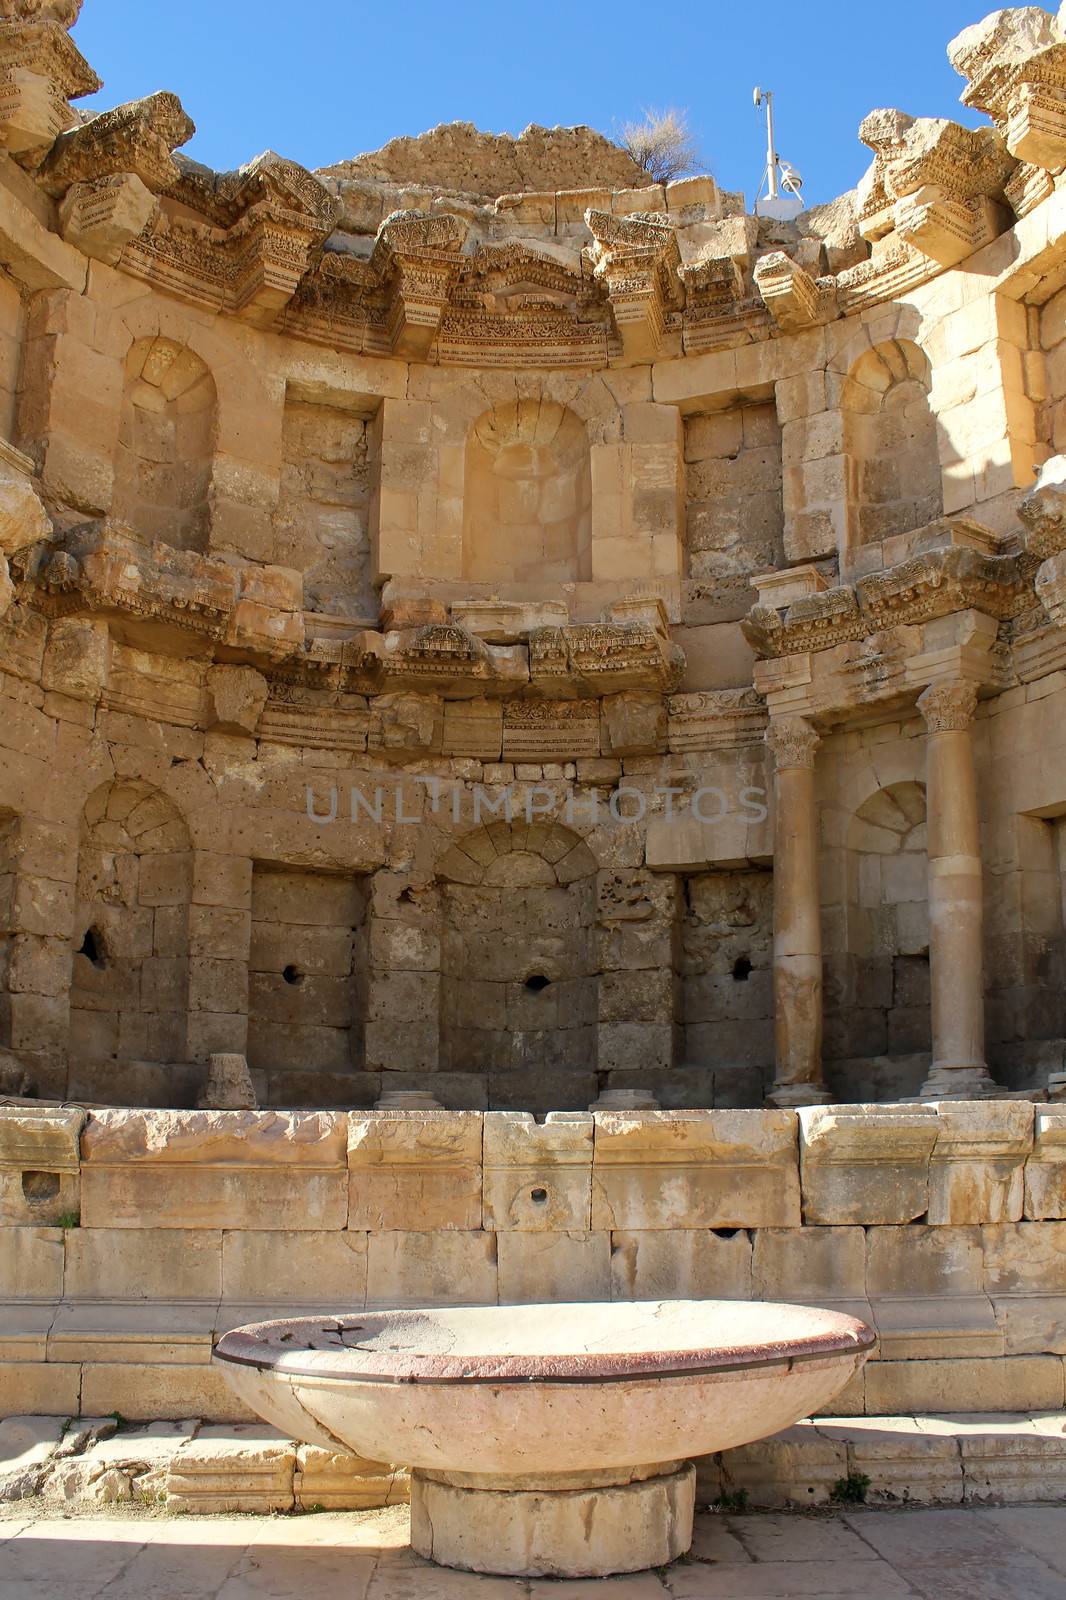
pixel 927 586
pixel 1015 64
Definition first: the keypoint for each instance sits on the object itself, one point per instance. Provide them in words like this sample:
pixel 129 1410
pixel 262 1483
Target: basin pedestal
pixel 555 1528
pixel 522 1423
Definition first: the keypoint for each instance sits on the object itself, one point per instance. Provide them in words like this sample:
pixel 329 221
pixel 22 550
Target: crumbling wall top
pixel 458 156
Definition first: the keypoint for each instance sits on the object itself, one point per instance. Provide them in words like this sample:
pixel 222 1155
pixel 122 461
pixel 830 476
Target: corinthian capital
pixel 948 706
pixel 792 742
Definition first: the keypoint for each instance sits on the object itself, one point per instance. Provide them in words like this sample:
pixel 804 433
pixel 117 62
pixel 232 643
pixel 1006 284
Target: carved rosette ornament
pixel 792 742
pixel 948 707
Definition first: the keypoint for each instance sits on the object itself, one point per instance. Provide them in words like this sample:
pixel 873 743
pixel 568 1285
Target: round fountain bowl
pixel 547 1439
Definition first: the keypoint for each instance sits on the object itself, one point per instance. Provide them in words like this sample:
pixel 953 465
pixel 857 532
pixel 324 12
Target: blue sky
pixel 331 78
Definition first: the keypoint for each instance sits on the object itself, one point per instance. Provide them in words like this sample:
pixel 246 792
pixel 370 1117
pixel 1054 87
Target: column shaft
pixel 956 910
pixel 797 918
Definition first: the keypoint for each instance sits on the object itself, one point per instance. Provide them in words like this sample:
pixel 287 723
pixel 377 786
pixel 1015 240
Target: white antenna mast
pixel 783 207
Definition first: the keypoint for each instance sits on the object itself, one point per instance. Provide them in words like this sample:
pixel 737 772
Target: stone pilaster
pixel 955 896
pixel 792 743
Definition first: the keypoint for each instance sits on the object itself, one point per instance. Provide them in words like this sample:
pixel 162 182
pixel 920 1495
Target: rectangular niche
pixel 734 514
pixel 727 966
pixel 306 988
pixel 322 524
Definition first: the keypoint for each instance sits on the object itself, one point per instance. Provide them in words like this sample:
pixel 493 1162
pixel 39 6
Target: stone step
pixel 992 1458
pixel 977 1458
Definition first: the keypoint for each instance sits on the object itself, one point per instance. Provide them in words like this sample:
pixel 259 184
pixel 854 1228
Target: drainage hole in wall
pixel 741 969
pixel 92 948
pixel 292 975
pixel 537 982
pixel 38 1187
pixel 539 1197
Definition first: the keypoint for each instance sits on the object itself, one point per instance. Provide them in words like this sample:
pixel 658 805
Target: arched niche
pixel 890 441
pixel 518 984
pixel 129 991
pixel 166 444
pixel 877 994
pixel 527 496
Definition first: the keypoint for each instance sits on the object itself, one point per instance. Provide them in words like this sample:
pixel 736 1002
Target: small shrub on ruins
pixel 69 1219
pixel 851 1491
pixel 662 144
pixel 732 1500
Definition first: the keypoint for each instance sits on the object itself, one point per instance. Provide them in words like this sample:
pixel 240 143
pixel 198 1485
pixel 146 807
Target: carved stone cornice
pixel 638 260
pixel 416 257
pixel 948 707
pixel 935 185
pixel 140 137
pixel 932 584
pixel 41 71
pixel 1042 512
pixel 1015 64
pixel 279 217
pixel 791 295
pixel 792 742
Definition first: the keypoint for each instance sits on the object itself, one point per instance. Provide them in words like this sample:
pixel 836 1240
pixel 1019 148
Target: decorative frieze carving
pixel 550 730
pixel 932 584
pixel 715 718
pixel 101 218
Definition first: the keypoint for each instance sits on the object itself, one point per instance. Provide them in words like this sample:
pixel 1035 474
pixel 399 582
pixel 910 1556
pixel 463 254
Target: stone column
pixel 955 897
pixel 797 918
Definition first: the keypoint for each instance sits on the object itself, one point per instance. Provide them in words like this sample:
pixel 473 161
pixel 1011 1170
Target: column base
pixel 554 1533
pixel 786 1096
pixel 973 1082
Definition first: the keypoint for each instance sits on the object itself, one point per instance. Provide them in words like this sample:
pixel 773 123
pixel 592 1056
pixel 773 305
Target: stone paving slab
pixel 1010 1553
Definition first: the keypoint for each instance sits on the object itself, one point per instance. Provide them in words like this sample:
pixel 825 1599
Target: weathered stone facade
pixel 468 635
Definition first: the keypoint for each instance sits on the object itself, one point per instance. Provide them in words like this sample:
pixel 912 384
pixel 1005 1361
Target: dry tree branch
pixel 662 144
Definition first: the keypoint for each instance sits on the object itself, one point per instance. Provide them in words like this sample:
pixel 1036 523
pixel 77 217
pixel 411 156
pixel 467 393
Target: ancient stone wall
pixel 464 633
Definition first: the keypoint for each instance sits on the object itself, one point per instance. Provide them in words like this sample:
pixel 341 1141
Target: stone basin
pixel 547 1439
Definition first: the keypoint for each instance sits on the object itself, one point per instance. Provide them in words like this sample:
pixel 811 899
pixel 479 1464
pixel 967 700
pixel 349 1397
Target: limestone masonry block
pixel 285 1267
pixel 538 1176
pixel 976 1173
pixel 245 1467
pixel 425 1269
pixel 45 1138
pixel 330 1481
pixel 127 1264
pixel 39 1170
pixel 558 1266
pixel 683 1169
pixel 410 1170
pixel 682 1264
pixel 1045 1170
pixel 211 1169
pixel 31 1263
pixel 1017 1383
pixel 866 1163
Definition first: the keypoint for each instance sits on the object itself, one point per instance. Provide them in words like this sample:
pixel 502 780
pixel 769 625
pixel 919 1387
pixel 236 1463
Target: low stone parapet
pixel 943 1226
